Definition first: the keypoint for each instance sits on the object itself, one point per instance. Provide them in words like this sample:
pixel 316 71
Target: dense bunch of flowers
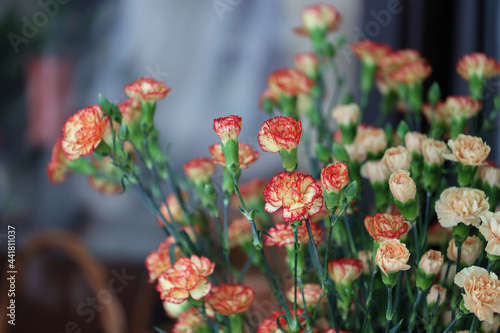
pixel 414 207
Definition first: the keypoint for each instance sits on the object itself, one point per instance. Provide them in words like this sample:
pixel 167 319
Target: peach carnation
pixel 369 51
pixel 312 293
pixel 431 262
pixel 345 270
pixel 228 299
pixel 187 277
pixel 280 133
pixel 490 175
pixel 371 140
pixel 383 226
pixel 482 292
pixel 402 186
pixel 191 321
pixel 281 234
pixel 392 256
pixel 228 128
pixel 375 171
pixel 307 62
pixel 83 132
pixel 289 81
pixel 414 72
pixel 174 206
pixel 436 291
pixel 471 250
pixel 434 151
pixel 335 177
pixel 397 158
pixel 490 228
pixel 199 169
pixel 346 114
pixel 477 64
pixel 461 205
pixel 147 90
pixel 246 154
pixel 468 150
pixel 356 152
pixel 158 261
pixel 57 168
pixel 413 141
pixel 297 193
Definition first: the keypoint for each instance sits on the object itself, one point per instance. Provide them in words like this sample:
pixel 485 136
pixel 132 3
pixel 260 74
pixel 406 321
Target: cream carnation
pixel 468 150
pixel 375 171
pixel 346 114
pixel 482 292
pixel 371 140
pixel 490 175
pixel 402 186
pixel 413 141
pixel 471 250
pixel 392 256
pixel 436 291
pixel 356 152
pixel 434 151
pixel 398 158
pixel 461 205
pixel 431 262
pixel 490 228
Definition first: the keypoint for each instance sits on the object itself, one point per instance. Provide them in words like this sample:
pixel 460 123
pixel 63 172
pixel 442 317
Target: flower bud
pixel 428 268
pixel 404 190
pixel 396 159
pixel 308 63
pixel 436 291
pixel 471 249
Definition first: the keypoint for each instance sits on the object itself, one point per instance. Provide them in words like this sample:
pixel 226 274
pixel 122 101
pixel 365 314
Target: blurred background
pixel 57 55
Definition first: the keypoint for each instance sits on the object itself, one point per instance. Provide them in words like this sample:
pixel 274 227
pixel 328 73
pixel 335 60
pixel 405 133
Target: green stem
pixel 411 325
pixel 473 326
pixel 369 298
pixel 388 314
pixel 226 238
pixel 295 251
pixel 349 237
pixel 452 324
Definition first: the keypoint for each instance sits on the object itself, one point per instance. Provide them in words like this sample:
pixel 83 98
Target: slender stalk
pixel 423 235
pixel 452 324
pixel 388 314
pixel 446 273
pixel 349 236
pixel 411 325
pixel 333 220
pixel 209 322
pixel 473 325
pixel 369 298
pixel 415 239
pixel 459 253
pixel 490 266
pixel 295 251
pixel 225 244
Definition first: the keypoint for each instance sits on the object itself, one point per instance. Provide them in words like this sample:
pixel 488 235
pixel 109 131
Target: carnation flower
pixel 270 325
pixel 57 168
pixel 461 106
pixel 482 292
pixel 392 256
pixel 490 175
pixel 414 140
pixel 402 186
pixel 490 228
pixel 478 65
pixel 158 261
pixel 308 63
pixel 397 158
pixel 431 262
pixel 372 140
pixel 345 270
pixel 186 278
pixel 414 72
pixel 383 226
pixel 104 186
pixel 199 169
pixel 228 299
pixel 487 327
pixel 397 59
pixel 246 154
pixel 375 171
pixel 298 195
pixel 471 250
pixel 312 293
pixel 280 133
pixel 130 110
pixel 346 114
pixel 147 90
pixel 356 152
pixel 461 205
pixel 468 150
pixel 191 321
pixel 290 82
pixel 369 51
pixel 83 132
pixel 434 151
pixel 239 232
pixel 366 260
pixel 282 234
pixel 335 177
pixel 320 17
pixel 267 99
pixel 174 206
pixel 436 291
pixel 227 128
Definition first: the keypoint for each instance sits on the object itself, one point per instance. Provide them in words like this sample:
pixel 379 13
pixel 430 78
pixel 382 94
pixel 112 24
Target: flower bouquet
pixel 361 249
